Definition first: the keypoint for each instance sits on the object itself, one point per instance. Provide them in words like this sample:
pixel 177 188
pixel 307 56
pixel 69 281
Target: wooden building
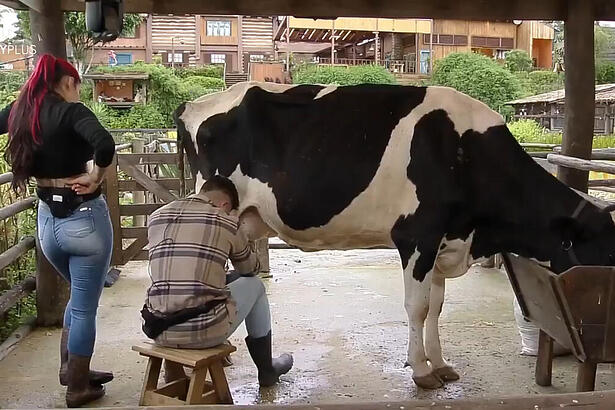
pixel 189 40
pixel 407 45
pixel 548 109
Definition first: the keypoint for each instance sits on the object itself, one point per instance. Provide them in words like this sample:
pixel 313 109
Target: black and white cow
pixel 429 171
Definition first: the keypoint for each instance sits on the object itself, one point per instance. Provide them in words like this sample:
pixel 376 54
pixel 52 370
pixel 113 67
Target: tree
pixel 518 60
pixel 80 39
pixel 477 76
pixel 602 38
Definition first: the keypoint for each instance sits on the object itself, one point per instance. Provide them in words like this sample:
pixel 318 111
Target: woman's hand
pixel 84 184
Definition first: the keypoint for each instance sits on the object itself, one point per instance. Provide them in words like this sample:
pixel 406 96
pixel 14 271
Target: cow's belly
pixel 366 222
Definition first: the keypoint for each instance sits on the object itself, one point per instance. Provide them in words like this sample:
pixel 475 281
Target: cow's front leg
pixel 417 305
pixel 433 348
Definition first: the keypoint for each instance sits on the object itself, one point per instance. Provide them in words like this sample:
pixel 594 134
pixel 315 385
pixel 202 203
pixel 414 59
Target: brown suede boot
pixel 96 378
pixel 80 391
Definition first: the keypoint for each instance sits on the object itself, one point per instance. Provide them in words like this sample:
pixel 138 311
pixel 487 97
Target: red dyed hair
pixel 24 124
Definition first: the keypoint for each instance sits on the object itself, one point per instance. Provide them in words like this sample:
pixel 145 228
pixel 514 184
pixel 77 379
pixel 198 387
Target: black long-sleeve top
pixel 71 136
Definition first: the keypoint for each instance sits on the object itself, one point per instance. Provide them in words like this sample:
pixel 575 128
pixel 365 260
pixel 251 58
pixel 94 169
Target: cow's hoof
pixel 446 374
pixel 430 381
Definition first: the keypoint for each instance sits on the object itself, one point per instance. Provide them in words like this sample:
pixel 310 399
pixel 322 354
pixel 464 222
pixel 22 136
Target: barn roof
pixel 604 93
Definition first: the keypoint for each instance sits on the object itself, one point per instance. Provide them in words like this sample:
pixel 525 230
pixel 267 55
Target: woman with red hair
pixel 53 138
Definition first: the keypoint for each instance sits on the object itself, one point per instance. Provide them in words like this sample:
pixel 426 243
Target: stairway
pixel 234 78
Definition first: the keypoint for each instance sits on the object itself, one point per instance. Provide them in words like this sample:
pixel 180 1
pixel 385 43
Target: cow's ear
pixel 566 228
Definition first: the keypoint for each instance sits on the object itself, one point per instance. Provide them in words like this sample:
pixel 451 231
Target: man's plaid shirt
pixel 190 241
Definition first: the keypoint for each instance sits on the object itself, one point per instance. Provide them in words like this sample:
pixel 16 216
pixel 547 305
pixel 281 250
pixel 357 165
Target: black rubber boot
pixel 96 378
pixel 80 391
pixel 269 369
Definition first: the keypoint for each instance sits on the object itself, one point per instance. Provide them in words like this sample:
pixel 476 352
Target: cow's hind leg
pixel 433 348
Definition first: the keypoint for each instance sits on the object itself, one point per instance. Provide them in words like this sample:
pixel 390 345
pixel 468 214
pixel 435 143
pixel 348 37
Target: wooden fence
pixel 45 280
pixel 142 178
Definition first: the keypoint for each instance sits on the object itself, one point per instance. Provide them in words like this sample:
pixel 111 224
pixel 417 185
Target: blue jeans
pixel 79 247
pixel 252 306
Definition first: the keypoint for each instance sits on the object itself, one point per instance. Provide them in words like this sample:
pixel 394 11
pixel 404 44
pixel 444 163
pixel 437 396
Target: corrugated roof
pixel 604 93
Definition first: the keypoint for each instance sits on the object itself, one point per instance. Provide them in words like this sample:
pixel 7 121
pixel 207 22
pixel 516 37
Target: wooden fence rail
pixel 12 296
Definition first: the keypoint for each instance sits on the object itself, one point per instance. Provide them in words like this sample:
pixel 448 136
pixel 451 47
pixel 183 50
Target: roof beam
pixel 450 9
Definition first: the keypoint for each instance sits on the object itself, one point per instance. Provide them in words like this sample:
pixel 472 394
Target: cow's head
pixel 198 138
pixel 588 239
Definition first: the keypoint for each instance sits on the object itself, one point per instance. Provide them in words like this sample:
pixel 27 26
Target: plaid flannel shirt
pixel 190 241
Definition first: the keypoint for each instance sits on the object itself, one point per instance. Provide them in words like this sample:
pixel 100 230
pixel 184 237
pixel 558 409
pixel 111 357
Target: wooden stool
pixel 194 389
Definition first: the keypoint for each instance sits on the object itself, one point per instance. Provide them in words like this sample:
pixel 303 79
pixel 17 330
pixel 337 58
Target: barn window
pixel 177 57
pixel 218 28
pixel 218 58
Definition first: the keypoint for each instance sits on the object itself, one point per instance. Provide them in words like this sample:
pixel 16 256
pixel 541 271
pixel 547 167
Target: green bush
pixel 605 72
pixel 10 83
pixel 165 92
pixel 531 131
pixel 538 82
pixel 142 116
pixel 477 76
pixel 518 60
pixel 365 74
pixel 214 71
pixel 528 131
pixel 107 116
pixel 197 86
pixel 86 92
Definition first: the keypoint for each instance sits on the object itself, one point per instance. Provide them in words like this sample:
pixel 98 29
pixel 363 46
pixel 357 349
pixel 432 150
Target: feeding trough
pixel 576 308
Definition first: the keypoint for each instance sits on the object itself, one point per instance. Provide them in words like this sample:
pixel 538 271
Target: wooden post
pixel 48 29
pixel 544 360
pixel 181 166
pixel 332 42
pixel 148 39
pixel 580 91
pixel 262 253
pixel 586 376
pixel 287 43
pixel 113 202
pixel 52 292
pixel 240 44
pixel 138 197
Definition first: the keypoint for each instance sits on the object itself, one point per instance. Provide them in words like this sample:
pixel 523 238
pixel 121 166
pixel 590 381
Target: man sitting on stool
pixel 192 303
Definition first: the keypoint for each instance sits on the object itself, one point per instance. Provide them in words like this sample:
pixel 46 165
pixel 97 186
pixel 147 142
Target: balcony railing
pixel 407 66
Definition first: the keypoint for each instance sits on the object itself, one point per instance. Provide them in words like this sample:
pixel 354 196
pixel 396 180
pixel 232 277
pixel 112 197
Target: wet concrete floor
pixel 341 314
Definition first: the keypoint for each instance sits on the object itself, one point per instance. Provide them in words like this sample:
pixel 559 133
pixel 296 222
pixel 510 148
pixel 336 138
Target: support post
pixel 48 29
pixel 181 167
pixel 52 292
pixel 262 253
pixel 580 91
pixel 332 42
pixel 241 62
pixel 148 39
pixel 377 48
pixel 287 44
pixel 544 360
pixel 138 197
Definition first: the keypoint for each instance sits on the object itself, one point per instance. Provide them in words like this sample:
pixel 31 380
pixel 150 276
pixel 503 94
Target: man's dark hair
pixel 222 184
